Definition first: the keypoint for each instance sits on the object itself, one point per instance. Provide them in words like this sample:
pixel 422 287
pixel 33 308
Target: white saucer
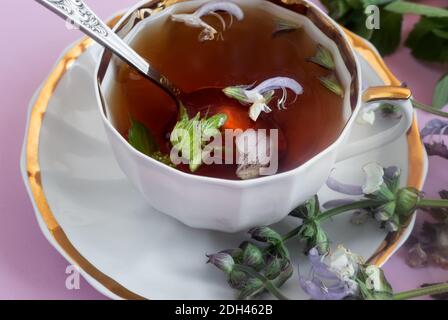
pixel 97 220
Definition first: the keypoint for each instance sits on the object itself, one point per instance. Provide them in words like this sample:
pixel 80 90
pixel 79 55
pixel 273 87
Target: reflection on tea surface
pixel 247 52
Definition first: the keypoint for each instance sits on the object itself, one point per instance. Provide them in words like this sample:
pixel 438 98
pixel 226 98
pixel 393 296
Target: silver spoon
pixel 89 23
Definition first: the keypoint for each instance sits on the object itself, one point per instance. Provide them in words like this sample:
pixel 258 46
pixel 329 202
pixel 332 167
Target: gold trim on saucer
pixel 35 180
pixel 415 178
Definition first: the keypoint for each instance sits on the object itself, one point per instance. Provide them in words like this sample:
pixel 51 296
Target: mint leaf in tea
pixel 278 72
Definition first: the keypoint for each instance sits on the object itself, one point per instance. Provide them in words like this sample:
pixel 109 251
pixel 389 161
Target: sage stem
pixel 426 291
pixel 266 282
pixel 429 109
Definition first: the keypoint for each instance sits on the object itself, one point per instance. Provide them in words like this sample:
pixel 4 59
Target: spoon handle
pixel 77 12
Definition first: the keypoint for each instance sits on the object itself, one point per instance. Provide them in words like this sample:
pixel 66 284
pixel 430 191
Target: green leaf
pixel 441 33
pixel 183 114
pixel 440 98
pixel 323 58
pixel 283 26
pixel 405 7
pixel 210 126
pixel 140 138
pixel 425 42
pixel 352 15
pixel 387 39
pixel 308 210
pixel 189 136
pixel 332 83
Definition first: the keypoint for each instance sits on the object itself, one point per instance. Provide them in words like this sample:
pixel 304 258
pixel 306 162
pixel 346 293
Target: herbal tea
pixel 270 74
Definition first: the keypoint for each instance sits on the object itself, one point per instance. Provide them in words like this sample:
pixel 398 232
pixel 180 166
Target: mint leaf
pixel 405 7
pixel 140 138
pixel 440 98
pixel 441 33
pixel 351 14
pixel 425 40
pixel 387 39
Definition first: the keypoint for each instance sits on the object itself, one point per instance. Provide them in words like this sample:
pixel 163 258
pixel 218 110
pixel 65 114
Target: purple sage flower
pixel 332 276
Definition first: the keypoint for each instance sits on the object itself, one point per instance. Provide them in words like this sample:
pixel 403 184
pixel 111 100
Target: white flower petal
pixel 374 178
pixel 343 263
pixel 256 109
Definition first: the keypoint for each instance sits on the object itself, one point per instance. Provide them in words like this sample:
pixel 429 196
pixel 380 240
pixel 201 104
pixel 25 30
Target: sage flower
pixel 260 96
pixel 210 8
pixel 332 276
pixel 395 204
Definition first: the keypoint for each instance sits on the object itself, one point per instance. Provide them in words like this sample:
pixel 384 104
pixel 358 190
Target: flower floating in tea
pixel 260 96
pixel 211 8
pixel 190 135
pixel 256 150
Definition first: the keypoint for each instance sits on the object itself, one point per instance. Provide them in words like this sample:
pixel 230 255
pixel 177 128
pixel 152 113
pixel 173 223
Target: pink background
pixel 32 41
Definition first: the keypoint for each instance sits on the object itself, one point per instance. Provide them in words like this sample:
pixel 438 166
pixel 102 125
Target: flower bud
pixel 237 279
pixel 252 256
pixel 236 254
pixel 265 234
pixel 222 261
pixel 407 201
pixel 274 268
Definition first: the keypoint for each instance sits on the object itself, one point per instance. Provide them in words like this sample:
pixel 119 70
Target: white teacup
pixel 228 205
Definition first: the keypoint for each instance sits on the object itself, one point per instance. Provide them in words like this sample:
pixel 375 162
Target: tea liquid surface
pixel 248 54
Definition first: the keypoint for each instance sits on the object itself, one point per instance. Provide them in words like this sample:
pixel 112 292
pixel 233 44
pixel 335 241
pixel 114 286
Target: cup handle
pixel 397 96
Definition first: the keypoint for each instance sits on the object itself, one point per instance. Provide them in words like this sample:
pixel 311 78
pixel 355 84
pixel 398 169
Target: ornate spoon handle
pixel 79 13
